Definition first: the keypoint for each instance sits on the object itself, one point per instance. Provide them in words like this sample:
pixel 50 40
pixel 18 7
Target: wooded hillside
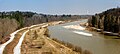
pixel 107 21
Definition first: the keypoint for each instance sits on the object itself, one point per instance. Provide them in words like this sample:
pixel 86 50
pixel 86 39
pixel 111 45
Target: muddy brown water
pixel 97 44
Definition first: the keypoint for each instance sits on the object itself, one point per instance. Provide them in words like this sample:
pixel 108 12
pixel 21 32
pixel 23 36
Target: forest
pixel 107 21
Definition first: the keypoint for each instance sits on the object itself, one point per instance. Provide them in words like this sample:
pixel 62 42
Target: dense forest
pixel 13 20
pixel 107 21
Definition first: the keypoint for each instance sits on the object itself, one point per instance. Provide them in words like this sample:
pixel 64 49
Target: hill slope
pixel 107 21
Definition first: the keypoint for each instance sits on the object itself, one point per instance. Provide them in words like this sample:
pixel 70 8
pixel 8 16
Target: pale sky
pixel 75 7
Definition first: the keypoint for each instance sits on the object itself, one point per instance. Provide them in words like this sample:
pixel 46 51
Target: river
pixel 94 42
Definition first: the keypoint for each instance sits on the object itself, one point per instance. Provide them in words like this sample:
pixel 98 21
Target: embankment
pixel 37 41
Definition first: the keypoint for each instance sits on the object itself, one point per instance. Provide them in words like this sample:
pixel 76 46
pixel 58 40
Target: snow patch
pixel 83 33
pixel 17 49
pixel 2 46
pixel 78 27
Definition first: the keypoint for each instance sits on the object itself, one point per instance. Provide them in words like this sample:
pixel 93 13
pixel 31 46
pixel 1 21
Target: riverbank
pixel 102 32
pixel 99 30
pixel 10 44
pixel 97 43
pixel 36 40
pixel 7 38
pixel 84 26
pixel 81 27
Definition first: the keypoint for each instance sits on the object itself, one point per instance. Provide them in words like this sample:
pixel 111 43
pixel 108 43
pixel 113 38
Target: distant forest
pixel 107 21
pixel 13 20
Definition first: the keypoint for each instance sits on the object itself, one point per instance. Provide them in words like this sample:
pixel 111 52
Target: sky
pixel 74 7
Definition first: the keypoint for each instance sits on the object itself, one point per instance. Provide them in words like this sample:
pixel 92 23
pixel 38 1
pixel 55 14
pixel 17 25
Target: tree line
pixel 10 21
pixel 107 21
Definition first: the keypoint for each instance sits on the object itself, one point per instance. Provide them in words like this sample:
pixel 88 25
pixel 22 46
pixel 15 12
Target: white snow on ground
pixel 58 22
pixel 78 27
pixel 17 49
pixel 37 25
pixel 45 25
pixel 2 46
pixel 83 33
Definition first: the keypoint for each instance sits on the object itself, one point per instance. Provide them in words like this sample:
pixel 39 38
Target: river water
pixel 94 42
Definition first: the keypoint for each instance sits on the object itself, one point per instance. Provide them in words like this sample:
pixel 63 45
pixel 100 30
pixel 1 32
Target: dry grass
pixel 42 44
pixel 69 45
pixel 73 47
pixel 46 53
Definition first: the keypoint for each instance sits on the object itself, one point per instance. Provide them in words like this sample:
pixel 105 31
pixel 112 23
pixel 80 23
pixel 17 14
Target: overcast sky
pixel 80 7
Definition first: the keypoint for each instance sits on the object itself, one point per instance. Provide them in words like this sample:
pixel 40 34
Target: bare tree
pixel 7 26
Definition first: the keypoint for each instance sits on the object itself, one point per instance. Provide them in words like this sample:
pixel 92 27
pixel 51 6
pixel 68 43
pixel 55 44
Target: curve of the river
pixel 93 41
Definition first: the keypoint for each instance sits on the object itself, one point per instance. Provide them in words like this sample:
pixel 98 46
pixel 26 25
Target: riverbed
pixel 92 41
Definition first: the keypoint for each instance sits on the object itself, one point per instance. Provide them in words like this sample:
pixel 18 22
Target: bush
pixel 7 26
pixel 86 52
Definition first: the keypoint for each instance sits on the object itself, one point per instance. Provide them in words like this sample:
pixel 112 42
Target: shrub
pixel 86 52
